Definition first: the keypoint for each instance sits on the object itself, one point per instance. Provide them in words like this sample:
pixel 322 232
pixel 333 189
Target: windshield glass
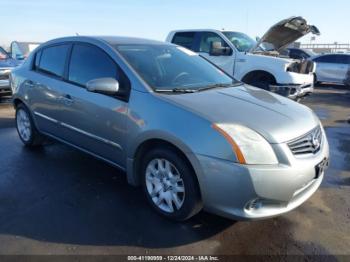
pixel 3 54
pixel 309 52
pixel 167 67
pixel 241 41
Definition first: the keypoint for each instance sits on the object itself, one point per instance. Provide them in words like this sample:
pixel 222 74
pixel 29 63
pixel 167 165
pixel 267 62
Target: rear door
pixel 225 62
pixel 344 66
pixel 92 121
pixel 44 86
pixel 185 39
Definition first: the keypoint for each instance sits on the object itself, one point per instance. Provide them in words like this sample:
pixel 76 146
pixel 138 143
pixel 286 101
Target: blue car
pixel 6 65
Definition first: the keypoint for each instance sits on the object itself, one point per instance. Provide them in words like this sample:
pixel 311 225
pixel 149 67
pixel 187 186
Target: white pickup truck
pixel 257 63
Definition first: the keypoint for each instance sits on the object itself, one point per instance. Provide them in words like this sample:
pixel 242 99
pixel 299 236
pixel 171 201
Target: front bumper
pixel 294 85
pixel 293 91
pixel 5 87
pixel 250 192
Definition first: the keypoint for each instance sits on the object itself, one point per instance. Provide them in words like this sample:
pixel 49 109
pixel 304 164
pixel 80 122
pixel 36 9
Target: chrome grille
pixel 307 144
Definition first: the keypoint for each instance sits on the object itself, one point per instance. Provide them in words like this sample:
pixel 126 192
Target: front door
pixel 92 121
pixel 225 62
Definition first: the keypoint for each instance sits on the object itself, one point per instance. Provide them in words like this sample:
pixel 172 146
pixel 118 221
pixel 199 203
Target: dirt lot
pixel 59 201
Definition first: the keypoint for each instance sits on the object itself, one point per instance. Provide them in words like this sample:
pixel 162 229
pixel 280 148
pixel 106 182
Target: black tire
pixel 192 201
pixel 316 82
pixel 34 139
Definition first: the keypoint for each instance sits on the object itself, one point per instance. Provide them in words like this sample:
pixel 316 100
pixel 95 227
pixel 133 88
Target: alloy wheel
pixel 165 185
pixel 24 125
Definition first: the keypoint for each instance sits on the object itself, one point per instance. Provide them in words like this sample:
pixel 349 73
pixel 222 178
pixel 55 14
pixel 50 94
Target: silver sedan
pixel 333 68
pixel 192 136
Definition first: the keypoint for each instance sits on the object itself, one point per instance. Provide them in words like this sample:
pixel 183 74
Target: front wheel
pixel 261 80
pixel 26 129
pixel 170 185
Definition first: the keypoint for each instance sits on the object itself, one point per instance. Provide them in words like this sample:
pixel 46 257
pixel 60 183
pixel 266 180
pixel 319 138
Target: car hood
pixel 276 118
pixel 8 63
pixel 286 32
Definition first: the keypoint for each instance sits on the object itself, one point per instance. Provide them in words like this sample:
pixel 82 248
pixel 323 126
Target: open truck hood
pixel 286 32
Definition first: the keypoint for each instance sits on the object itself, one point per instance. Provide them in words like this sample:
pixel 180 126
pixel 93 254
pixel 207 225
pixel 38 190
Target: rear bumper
pixel 252 192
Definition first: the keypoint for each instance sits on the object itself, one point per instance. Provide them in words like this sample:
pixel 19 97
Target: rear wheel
pixel 26 129
pixel 170 185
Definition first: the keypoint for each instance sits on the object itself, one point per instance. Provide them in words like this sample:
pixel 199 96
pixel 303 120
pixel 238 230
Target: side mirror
pixel 315 30
pixel 216 49
pixel 107 86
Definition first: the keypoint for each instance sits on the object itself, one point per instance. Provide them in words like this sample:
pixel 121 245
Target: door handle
pixel 67 99
pixel 30 83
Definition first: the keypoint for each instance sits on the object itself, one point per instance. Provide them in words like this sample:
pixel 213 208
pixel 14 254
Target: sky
pixel 42 20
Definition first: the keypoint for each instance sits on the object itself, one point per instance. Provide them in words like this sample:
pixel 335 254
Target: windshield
pixel 310 53
pixel 169 68
pixel 241 41
pixel 3 54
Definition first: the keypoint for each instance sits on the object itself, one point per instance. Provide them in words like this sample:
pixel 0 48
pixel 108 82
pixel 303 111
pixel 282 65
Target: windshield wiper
pixel 215 86
pixel 194 90
pixel 177 90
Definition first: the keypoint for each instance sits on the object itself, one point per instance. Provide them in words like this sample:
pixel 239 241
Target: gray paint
pixel 112 129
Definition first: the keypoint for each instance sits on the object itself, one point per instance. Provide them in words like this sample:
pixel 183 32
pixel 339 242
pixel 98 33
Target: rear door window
pixel 328 59
pixel 343 59
pixel 53 60
pixel 89 62
pixel 185 39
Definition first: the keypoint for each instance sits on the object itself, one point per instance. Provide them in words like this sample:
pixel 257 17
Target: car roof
pixel 112 40
pixel 201 30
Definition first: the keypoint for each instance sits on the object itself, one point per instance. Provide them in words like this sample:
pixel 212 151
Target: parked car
pixel 255 63
pixel 6 65
pixel 21 50
pixel 332 68
pixel 182 128
pixel 299 53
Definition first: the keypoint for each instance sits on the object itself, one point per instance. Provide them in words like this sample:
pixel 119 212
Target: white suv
pixel 256 63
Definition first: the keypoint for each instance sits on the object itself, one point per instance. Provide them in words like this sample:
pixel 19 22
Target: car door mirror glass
pixel 216 49
pixel 107 86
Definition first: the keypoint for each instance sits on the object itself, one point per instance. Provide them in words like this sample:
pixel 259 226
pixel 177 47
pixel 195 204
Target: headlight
pixel 249 146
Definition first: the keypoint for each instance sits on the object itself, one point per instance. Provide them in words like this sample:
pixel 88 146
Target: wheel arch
pixel 250 75
pixel 134 162
pixel 16 101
